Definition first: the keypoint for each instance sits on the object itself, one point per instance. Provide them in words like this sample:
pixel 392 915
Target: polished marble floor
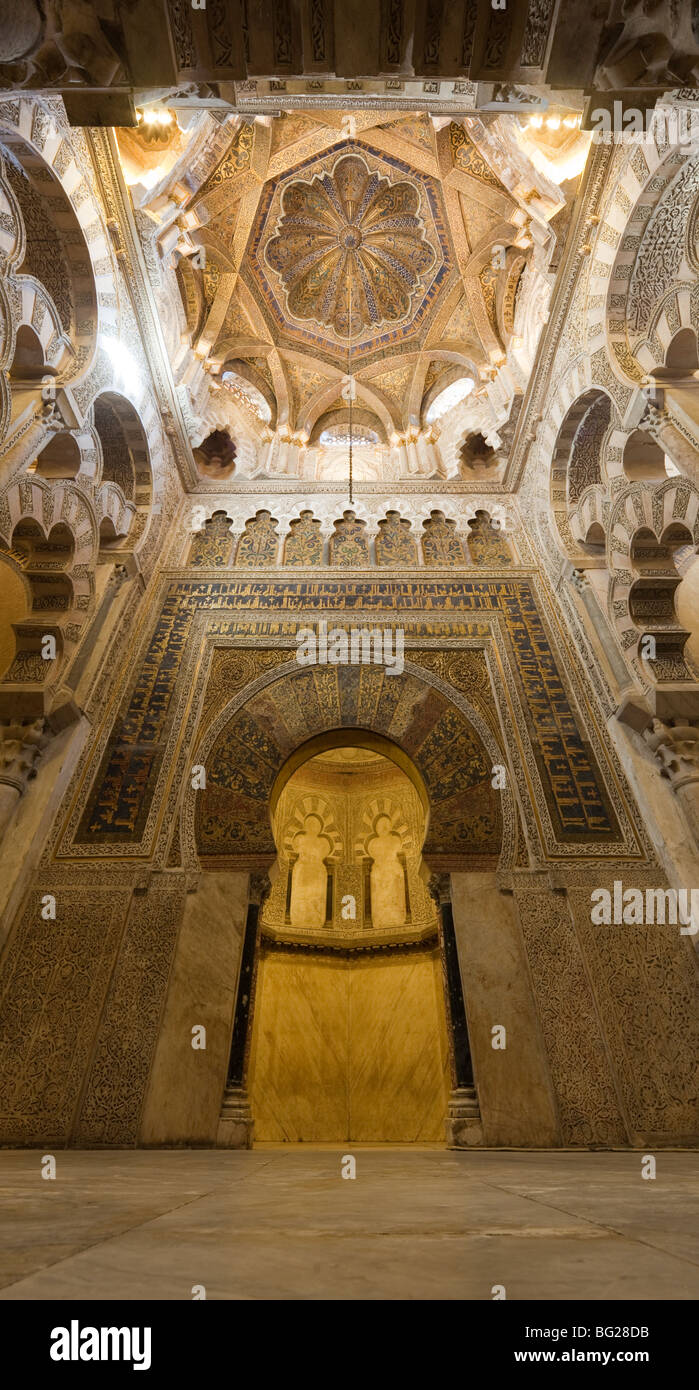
pixel 284 1224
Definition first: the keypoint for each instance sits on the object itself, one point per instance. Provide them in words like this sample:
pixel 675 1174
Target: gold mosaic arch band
pixel 349 738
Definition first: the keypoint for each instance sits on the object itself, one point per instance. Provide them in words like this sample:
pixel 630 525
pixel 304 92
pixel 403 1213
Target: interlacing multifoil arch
pixel 303 805
pixel 598 529
pixel 651 283
pixel 634 313
pixel 646 263
pixel 83 452
pixel 56 267
pixel 36 135
pixel 646 526
pixel 579 400
pixel 49 537
pixel 123 472
pixel 595 328
pixel 642 281
pixel 102 495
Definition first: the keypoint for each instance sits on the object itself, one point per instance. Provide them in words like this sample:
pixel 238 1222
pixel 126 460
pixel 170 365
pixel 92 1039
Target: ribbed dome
pixel 352 228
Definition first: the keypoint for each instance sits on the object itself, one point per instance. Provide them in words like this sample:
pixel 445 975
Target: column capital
pixel 20 745
pixel 579 580
pixel 439 888
pixel 676 748
pixel 259 889
pixel 654 418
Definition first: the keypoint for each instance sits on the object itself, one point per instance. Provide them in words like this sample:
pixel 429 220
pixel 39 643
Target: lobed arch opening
pixel 29 363
pixel 578 459
pixel 59 458
pixel 56 271
pixel 682 355
pixel 244 378
pixel 658 564
pixel 38 596
pixel 643 459
pixel 595 541
pixel 124 448
pixel 477 456
pixel 215 456
pixel 677 379
pixel 109 538
pixel 212 542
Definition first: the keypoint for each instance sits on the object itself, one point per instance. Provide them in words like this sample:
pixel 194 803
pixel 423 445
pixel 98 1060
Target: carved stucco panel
pixel 644 978
pixel 54 980
pixel 128 1033
pixel 588 1107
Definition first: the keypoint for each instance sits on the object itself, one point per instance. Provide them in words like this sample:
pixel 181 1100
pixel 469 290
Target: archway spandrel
pixel 232 817
pixel 557 761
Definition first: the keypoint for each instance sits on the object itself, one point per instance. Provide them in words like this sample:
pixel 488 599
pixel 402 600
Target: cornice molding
pixel 285 487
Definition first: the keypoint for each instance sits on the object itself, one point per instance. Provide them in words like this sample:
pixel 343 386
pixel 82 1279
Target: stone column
pixel 412 457
pixel 20 745
pixel 426 455
pixel 235 1126
pixel 268 465
pixel 371 531
pixel 676 747
pixel 464 1127
pixel 399 456
pixel 659 423
pixel 327 531
pixel 581 583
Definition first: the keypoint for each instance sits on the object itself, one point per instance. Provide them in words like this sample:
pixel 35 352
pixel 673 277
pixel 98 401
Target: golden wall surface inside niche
pixel 349 1047
pixel 348 1043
